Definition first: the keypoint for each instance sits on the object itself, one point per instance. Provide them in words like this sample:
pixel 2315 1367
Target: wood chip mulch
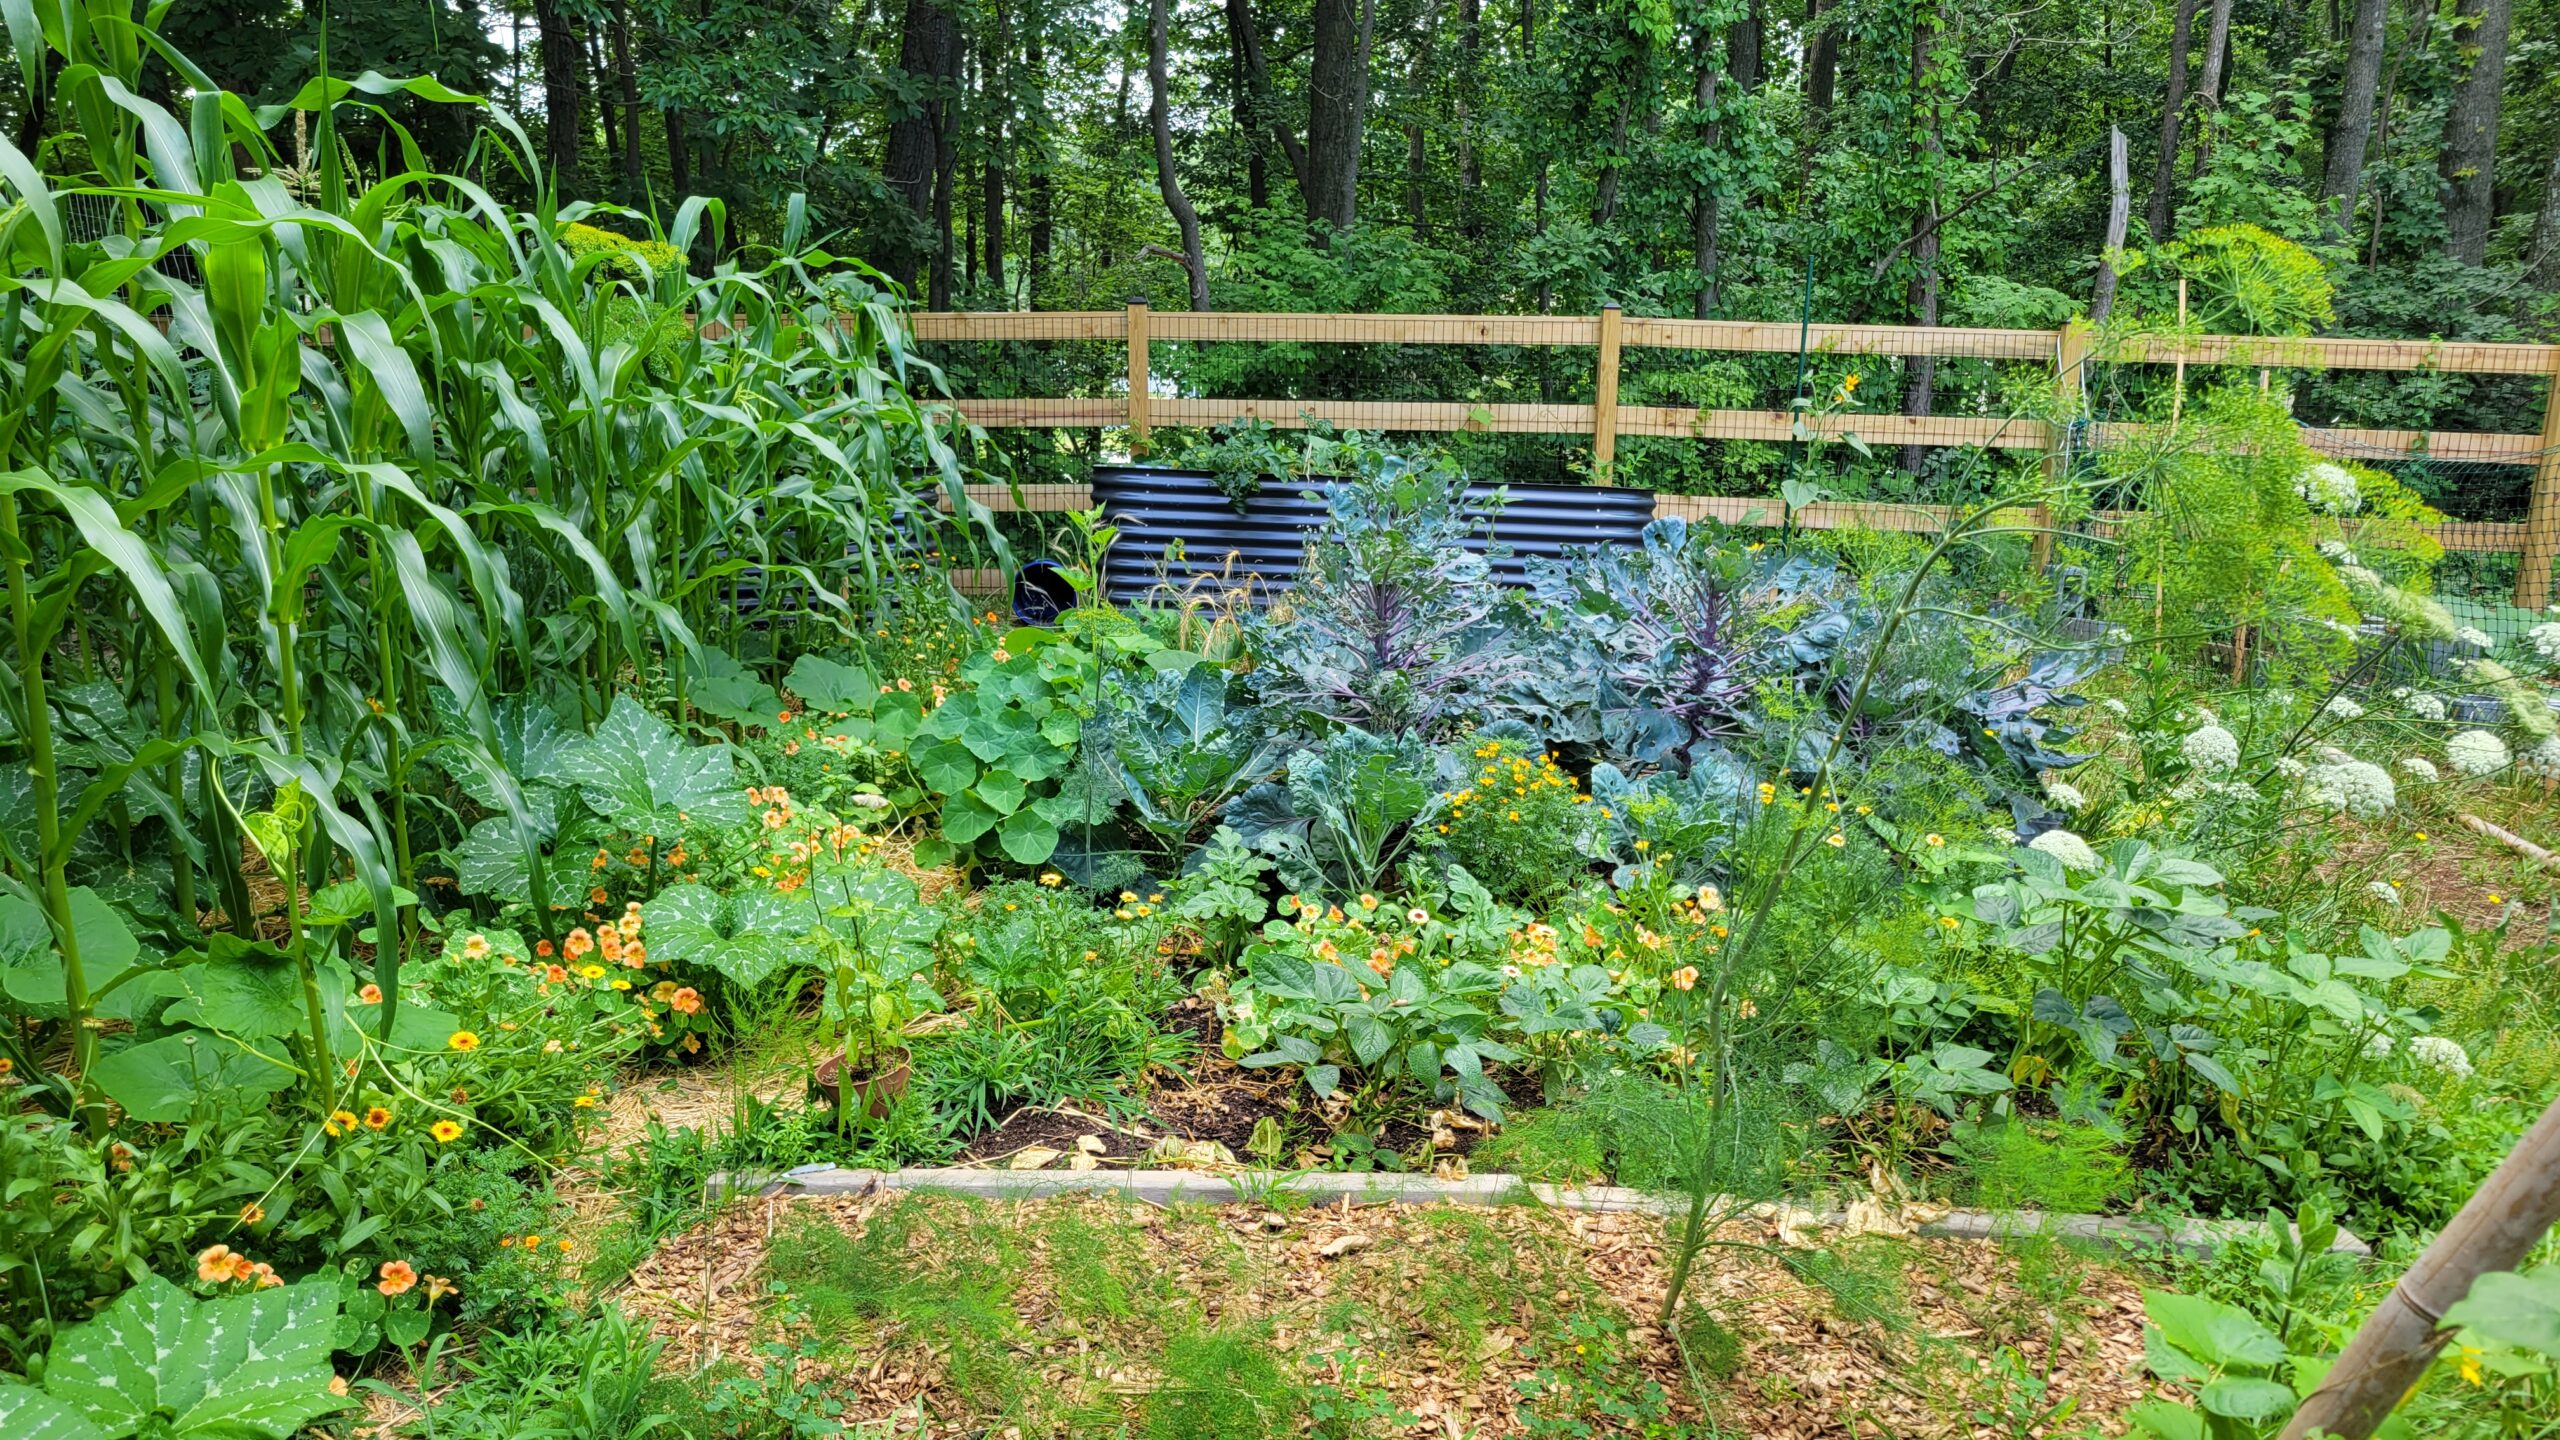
pixel 1939 1366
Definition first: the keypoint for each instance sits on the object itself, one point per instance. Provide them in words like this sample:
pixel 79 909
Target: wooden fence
pixel 2068 351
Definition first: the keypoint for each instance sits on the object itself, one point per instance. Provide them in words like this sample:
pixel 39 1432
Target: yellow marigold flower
pixel 252 1213
pixel 340 1121
pixel 1835 840
pixel 463 1040
pixel 445 1131
pixel 592 972
pixel 377 1118
pixel 584 1102
pixel 1936 840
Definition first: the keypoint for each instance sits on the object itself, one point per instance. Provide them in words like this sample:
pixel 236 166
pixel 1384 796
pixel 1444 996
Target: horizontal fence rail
pixel 2535 539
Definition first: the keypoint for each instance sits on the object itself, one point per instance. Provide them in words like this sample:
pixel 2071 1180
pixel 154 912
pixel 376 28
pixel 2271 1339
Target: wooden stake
pixel 2178 395
pixel 2496 1228
pixel 2071 379
pixel 2542 521
pixel 1137 376
pixel 1604 398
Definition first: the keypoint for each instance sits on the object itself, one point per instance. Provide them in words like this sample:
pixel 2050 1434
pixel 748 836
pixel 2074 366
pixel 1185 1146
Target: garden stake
pixel 2495 1229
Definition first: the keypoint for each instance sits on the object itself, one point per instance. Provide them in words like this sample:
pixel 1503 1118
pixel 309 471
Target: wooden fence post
pixel 2542 517
pixel 1137 376
pixel 2071 381
pixel 1604 398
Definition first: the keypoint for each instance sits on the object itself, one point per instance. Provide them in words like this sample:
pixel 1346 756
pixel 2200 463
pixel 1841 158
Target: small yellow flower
pixel 445 1131
pixel 377 1118
pixel 592 972
pixel 463 1040
pixel 1949 921
pixel 1835 840
pixel 1935 841
pixel 2421 835
pixel 2496 899
pixel 584 1102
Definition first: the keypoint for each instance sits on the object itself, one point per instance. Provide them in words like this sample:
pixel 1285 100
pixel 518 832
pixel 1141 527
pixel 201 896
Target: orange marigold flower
pixel 398 1278
pixel 377 1117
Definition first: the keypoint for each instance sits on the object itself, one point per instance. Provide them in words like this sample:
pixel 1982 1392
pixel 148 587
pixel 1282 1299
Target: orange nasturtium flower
pixel 398 1276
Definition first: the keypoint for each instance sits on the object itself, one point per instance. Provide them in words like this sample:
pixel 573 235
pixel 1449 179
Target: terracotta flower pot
pixel 880 1083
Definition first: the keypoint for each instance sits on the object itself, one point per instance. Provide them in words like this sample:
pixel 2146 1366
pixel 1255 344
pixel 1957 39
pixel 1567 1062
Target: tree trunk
pixel 1168 184
pixel 1745 41
pixel 2468 161
pixel 2119 210
pixel 1338 108
pixel 946 174
pixel 1705 205
pixel 2354 127
pixel 610 122
pixel 1266 114
pixel 1038 201
pixel 928 52
pixel 1920 392
pixel 1821 55
pixel 627 85
pixel 2164 176
pixel 560 118
pixel 1417 154
pixel 1470 62
pixel 679 158
pixel 998 107
pixel 2543 263
pixel 1242 109
pixel 1604 194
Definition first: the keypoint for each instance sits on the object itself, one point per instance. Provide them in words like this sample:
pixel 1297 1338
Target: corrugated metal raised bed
pixel 1177 530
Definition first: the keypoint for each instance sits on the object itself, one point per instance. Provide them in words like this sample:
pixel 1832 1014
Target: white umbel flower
pixel 2545 639
pixel 2362 790
pixel 2117 707
pixel 2475 637
pixel 2342 708
pixel 2329 489
pixel 2384 891
pixel 2064 794
pixel 2070 849
pixel 2421 770
pixel 2543 759
pixel 2378 1047
pixel 2423 706
pixel 2211 748
pixel 2475 753
pixel 2290 768
pixel 2438 1053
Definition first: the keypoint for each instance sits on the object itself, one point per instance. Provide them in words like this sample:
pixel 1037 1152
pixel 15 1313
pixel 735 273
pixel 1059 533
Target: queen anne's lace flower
pixel 2336 552
pixel 2475 637
pixel 2064 794
pixel 2378 1047
pixel 2421 769
pixel 2211 748
pixel 2475 753
pixel 2545 639
pixel 2070 849
pixel 2290 768
pixel 2382 890
pixel 2329 489
pixel 2543 759
pixel 2342 708
pixel 2362 790
pixel 2424 706
pixel 2117 708
pixel 2437 1052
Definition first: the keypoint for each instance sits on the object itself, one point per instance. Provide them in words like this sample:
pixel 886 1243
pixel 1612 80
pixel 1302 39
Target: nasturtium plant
pixel 994 751
pixel 160 1362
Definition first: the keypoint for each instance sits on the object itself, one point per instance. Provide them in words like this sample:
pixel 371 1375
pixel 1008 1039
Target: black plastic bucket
pixel 1178 531
pixel 1041 593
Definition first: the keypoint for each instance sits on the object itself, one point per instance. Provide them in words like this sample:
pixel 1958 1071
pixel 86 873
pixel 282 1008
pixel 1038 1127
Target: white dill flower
pixel 2421 770
pixel 2070 849
pixel 2384 891
pixel 2545 639
pixel 2475 753
pixel 2362 790
pixel 2211 748
pixel 2423 706
pixel 2475 637
pixel 2118 709
pixel 2342 708
pixel 2543 759
pixel 2064 794
pixel 2329 489
pixel 2378 1047
pixel 2438 1053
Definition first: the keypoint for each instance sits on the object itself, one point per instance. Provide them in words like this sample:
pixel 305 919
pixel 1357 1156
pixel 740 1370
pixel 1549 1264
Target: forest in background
pixel 1931 162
